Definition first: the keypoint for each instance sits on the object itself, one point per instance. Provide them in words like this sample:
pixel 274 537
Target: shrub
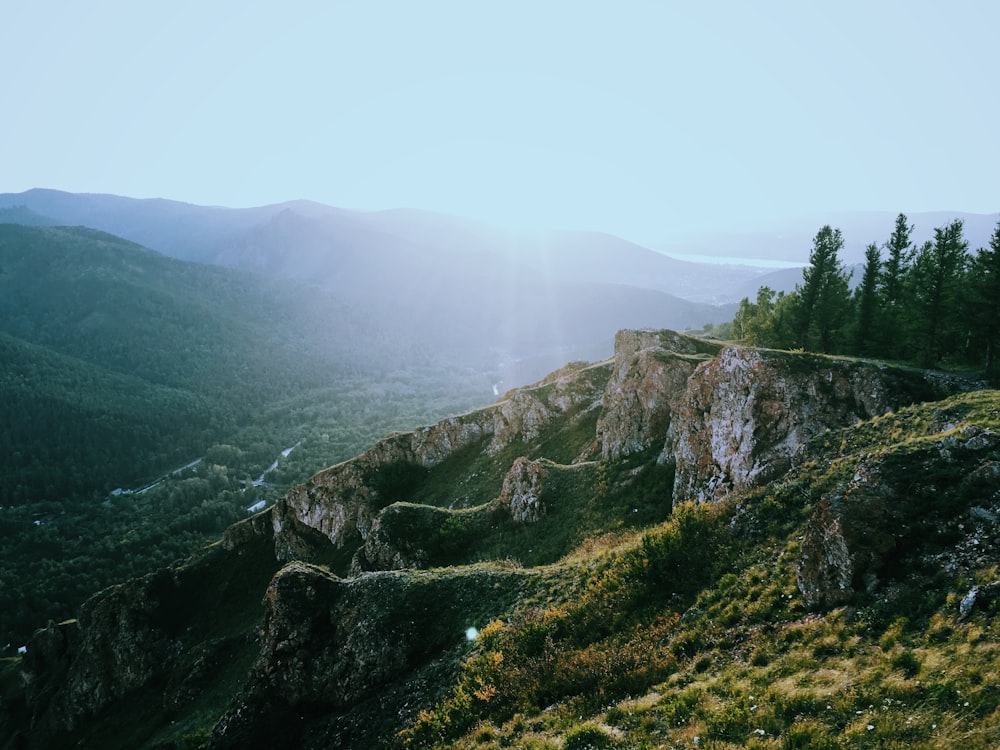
pixel 588 738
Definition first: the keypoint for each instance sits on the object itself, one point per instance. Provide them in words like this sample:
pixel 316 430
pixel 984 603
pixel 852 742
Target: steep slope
pixel 613 609
pixel 118 365
pixel 147 352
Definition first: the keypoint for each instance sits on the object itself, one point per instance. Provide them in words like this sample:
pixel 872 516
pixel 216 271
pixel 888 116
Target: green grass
pixel 749 664
pixel 613 621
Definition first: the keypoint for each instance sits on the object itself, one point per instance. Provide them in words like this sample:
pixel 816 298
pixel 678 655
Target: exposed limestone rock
pixel 651 370
pixel 632 341
pixel 139 633
pixel 522 490
pixel 978 596
pixel 521 417
pixel 341 504
pixel 913 499
pixel 846 542
pixel 384 549
pixel 259 526
pixel 746 413
pixel 329 645
pixel 336 502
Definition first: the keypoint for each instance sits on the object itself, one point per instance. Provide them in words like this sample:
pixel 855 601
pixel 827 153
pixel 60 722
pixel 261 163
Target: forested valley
pixel 144 398
pixel 119 366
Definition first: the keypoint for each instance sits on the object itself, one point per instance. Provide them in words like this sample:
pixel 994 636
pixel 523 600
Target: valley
pixel 645 545
pixel 611 607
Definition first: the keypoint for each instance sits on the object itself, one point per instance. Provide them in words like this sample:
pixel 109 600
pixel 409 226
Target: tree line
pixel 934 304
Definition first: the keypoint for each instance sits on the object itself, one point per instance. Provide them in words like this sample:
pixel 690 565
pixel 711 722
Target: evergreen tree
pixel 935 286
pixel 899 255
pixel 984 304
pixel 824 296
pixel 867 303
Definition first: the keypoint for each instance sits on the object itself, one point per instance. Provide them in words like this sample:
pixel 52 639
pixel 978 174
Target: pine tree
pixel 824 296
pixel 935 285
pixel 867 303
pixel 897 262
pixel 899 256
pixel 984 304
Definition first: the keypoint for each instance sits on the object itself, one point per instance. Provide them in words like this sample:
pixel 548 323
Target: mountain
pixel 690 540
pixel 792 240
pixel 118 365
pixel 329 243
pixel 181 230
pixel 469 293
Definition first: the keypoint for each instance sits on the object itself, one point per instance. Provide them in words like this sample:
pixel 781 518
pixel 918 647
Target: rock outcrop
pixel 408 535
pixel 348 652
pixel 342 503
pixel 650 376
pixel 746 413
pixel 940 494
pixel 118 643
pixel 139 633
pixel 522 490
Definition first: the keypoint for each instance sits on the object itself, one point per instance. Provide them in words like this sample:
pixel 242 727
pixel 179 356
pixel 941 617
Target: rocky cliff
pixel 363 627
pixel 140 639
pixel 343 502
pixel 357 651
pixel 745 414
pixel 650 376
pixel 882 511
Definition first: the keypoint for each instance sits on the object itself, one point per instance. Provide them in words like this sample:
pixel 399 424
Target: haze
pixel 650 120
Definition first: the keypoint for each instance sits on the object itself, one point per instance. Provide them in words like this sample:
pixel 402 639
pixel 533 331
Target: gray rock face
pixel 651 371
pixel 240 534
pixel 146 631
pixel 847 539
pixel 746 413
pixel 928 497
pixel 118 644
pixel 330 644
pixel 341 504
pixel 522 490
pixel 385 550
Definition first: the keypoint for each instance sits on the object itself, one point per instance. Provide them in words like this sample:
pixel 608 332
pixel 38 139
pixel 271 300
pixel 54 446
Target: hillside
pixel 685 544
pixel 155 358
pixel 338 248
pixel 118 365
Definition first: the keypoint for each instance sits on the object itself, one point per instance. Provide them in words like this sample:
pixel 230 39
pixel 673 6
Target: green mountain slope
pixel 119 365
pixel 538 573
pixel 71 427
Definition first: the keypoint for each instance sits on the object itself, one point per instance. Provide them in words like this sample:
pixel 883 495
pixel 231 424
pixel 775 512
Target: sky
pixel 644 119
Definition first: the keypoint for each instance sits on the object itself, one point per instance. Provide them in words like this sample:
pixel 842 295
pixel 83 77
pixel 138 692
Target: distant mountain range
pixel 338 248
pixel 471 293
pixel 462 288
pixel 792 240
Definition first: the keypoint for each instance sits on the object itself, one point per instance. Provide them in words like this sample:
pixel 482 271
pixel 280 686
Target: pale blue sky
pixel 645 119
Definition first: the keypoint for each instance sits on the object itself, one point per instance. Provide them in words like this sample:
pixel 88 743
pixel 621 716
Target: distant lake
pixel 724 260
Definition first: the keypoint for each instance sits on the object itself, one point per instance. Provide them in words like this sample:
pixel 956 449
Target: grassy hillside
pixel 696 633
pixel 608 621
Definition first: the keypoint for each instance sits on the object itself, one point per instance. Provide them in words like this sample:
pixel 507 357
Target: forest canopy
pixel 934 304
